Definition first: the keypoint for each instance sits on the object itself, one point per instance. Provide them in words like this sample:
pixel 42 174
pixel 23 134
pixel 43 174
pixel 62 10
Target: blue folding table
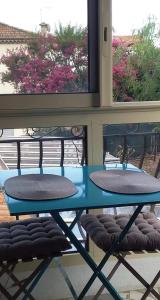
pixel 89 196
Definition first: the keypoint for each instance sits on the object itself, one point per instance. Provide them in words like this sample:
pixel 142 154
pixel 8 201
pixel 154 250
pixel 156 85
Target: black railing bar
pixel 18 155
pixel 84 148
pixel 62 153
pixel 155 146
pixel 124 148
pixel 83 153
pixel 23 140
pixel 18 162
pixel 40 153
pixel 157 169
pixel 104 148
pixel 85 145
pixel 143 153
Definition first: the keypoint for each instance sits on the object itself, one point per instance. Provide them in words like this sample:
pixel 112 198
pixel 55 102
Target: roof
pixel 129 39
pixel 10 34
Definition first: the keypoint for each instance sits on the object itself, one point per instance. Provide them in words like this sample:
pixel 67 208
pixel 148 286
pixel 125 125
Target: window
pixel 136 51
pixel 51 53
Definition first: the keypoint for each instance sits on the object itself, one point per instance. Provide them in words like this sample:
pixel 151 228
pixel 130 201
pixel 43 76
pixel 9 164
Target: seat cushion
pixel 144 234
pixel 38 237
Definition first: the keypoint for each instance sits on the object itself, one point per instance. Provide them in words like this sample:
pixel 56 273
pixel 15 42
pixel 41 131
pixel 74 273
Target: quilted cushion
pixel 144 234
pixel 38 237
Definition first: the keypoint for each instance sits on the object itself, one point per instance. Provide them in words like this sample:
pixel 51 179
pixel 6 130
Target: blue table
pixel 89 196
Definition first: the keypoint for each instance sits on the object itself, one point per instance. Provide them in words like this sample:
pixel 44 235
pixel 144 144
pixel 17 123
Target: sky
pixel 29 14
pixel 127 14
pixel 133 14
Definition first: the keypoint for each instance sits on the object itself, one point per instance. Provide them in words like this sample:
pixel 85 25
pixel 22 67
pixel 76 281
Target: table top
pixel 89 196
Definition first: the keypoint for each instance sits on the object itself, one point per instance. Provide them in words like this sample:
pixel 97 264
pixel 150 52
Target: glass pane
pixel 137 144
pixel 43 47
pixel 136 50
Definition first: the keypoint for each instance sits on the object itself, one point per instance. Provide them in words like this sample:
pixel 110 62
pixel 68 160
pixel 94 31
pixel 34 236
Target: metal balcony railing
pixel 46 151
pixel 135 147
pixel 140 149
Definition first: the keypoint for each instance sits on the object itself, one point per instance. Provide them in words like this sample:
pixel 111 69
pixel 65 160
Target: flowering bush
pixel 48 65
pixel 54 64
pixel 136 67
pixel 59 63
pixel 123 72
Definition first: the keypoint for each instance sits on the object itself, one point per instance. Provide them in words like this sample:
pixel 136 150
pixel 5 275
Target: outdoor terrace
pixel 27 152
pixel 53 151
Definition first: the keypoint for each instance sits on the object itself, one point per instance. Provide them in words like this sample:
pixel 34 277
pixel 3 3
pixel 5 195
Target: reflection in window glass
pixel 43 47
pixel 138 144
pixel 136 50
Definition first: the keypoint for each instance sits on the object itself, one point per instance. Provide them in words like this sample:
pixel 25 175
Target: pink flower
pixel 116 42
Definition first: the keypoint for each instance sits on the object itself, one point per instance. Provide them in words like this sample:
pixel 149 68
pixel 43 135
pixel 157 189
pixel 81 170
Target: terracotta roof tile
pixel 10 34
pixel 129 39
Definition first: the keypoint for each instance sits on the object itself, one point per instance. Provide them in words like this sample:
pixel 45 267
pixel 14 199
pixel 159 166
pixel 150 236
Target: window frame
pixel 101 97
pixel 34 102
pixel 106 85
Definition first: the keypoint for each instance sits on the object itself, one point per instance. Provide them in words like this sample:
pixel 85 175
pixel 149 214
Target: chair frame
pixel 26 285
pixel 122 261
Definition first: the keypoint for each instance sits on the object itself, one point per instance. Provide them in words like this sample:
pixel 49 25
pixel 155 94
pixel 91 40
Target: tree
pixel 58 63
pixel 49 63
pixel 136 67
pixel 123 72
pixel 145 59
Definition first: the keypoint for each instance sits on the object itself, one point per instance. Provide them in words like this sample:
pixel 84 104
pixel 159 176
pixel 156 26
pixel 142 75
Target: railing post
pixel 124 149
pixel 18 155
pixel 62 153
pixel 104 148
pixel 143 153
pixel 84 148
pixel 40 153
